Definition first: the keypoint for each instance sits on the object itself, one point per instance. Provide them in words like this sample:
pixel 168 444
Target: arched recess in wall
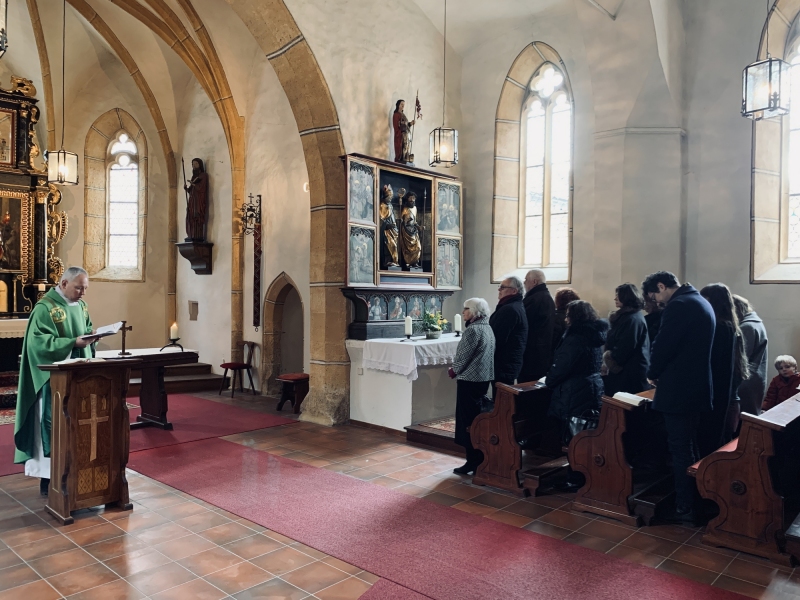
pixel 98 155
pixel 273 327
pixel 508 196
pixel 770 259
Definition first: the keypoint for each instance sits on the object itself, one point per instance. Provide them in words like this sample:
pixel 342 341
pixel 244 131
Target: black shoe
pixel 44 485
pixel 679 516
pixel 465 469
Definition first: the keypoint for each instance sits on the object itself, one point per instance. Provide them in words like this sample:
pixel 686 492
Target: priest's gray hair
pixel 478 307
pixel 72 273
pixel 515 283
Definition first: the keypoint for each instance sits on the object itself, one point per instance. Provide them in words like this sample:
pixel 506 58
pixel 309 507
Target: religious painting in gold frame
pixel 448 263
pixel 8 135
pixel 16 228
pixel 448 207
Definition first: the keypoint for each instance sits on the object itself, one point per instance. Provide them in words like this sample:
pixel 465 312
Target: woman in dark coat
pixel 751 391
pixel 575 374
pixel 562 298
pixel 473 367
pixel 728 369
pixel 627 354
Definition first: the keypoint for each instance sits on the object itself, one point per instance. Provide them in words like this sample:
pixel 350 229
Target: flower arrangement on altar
pixel 432 324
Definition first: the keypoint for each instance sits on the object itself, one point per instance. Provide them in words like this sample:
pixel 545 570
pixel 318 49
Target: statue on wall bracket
pixel 390 257
pixel 196 248
pixel 402 134
pixel 410 231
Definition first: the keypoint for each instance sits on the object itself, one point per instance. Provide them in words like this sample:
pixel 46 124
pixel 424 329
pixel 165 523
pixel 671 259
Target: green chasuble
pixel 49 337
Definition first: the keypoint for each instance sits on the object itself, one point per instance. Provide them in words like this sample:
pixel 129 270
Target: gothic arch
pixel 272 329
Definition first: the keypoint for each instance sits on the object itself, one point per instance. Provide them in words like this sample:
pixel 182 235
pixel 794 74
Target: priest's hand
pixel 83 342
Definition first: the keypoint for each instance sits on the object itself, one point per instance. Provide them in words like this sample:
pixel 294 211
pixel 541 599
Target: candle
pixel 457 323
pixel 173 332
pixel 409 326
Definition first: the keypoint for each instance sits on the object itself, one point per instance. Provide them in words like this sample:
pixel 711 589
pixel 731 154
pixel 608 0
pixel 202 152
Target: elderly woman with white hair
pixel 473 368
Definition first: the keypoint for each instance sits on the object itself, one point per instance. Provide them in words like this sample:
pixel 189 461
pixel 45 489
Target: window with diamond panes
pixel 123 203
pixel 547 163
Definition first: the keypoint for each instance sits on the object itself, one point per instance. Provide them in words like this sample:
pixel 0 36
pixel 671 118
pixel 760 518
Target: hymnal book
pixel 69 361
pixel 632 399
pixel 104 331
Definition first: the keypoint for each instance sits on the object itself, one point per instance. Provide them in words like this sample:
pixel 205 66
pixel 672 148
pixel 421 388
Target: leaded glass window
pixel 547 164
pixel 123 203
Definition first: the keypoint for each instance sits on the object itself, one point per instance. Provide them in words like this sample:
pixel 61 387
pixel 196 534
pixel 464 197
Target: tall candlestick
pixel 409 326
pixel 457 323
pixel 173 332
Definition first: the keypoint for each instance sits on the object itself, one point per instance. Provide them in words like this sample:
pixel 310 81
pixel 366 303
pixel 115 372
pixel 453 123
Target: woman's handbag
pixel 587 420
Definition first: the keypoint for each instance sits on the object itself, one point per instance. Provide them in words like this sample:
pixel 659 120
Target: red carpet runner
pixel 193 418
pixel 436 551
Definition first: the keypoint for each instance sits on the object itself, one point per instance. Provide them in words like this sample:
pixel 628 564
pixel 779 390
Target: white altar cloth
pixel 404 357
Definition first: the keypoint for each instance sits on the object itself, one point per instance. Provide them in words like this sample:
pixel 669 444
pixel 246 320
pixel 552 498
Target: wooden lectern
pixel 90 436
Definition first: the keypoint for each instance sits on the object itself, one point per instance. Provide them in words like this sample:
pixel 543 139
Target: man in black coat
pixel 540 311
pixel 680 367
pixel 510 327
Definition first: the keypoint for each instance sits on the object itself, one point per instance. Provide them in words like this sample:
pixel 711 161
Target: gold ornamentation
pixel 58 315
pixel 56 268
pixel 100 478
pixel 85 482
pixel 58 225
pixel 93 421
pixel 20 85
pixel 26 232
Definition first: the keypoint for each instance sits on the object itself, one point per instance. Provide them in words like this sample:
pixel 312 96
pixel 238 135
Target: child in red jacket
pixel 783 386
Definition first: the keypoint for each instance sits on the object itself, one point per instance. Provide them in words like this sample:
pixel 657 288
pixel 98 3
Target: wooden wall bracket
pixel 198 254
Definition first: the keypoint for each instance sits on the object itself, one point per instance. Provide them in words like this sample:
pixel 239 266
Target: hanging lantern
pixel 765 89
pixel 62 167
pixel 3 27
pixel 444 147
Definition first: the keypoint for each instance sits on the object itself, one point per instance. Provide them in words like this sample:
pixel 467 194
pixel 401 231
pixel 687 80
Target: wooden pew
pixel 613 487
pixel 755 481
pixel 520 412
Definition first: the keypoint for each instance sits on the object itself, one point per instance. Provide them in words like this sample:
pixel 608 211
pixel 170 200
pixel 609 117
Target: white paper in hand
pixel 104 331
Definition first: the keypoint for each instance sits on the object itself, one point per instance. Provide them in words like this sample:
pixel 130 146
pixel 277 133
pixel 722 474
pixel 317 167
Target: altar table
pixel 153 394
pixel 394 384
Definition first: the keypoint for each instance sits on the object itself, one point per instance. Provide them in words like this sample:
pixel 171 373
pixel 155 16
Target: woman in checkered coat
pixel 473 369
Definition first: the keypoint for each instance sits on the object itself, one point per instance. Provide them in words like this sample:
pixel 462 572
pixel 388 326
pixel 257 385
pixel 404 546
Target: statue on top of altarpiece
pixel 390 258
pixel 402 134
pixel 197 203
pixel 410 232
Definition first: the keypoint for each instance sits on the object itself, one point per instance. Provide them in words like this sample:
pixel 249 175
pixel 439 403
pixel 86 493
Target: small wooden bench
pixel 295 389
pixel 613 487
pixel 755 481
pixel 520 412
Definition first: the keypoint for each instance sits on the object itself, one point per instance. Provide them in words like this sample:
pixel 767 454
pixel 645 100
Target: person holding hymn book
pixel 574 376
pixel 563 297
pixel 59 328
pixel 540 311
pixel 785 384
pixel 752 390
pixel 510 327
pixel 680 368
pixel 627 353
pixel 473 369
pixel 728 369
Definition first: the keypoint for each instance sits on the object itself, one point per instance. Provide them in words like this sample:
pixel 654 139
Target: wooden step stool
pixel 295 388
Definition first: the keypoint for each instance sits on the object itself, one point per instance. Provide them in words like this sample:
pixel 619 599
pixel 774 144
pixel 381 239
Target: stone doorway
pixel 283 338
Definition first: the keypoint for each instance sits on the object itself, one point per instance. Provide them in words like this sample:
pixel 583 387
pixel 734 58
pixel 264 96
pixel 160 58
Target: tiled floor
pixel 174 546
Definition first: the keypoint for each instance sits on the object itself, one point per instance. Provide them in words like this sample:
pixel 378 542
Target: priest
pixel 55 332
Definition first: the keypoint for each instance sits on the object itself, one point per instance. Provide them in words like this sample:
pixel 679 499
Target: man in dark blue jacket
pixel 510 327
pixel 680 367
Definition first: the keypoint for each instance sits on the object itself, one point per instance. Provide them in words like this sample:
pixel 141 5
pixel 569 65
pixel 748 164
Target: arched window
pixel 545 180
pixel 115 198
pixel 532 225
pixel 123 202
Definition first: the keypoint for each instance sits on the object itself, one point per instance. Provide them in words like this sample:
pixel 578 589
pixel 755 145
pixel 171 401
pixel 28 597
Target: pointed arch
pixel 272 329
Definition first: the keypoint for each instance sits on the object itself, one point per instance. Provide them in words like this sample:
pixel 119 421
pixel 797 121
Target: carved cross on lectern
pixel 93 421
pixel 124 329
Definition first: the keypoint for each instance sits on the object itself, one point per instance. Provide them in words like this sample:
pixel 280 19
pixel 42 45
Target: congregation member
pixel 785 384
pixel 728 369
pixel 540 311
pixel 563 297
pixel 510 327
pixel 627 353
pixel 680 368
pixel 473 369
pixel 752 390
pixel 574 376
pixel 652 317
pixel 55 331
